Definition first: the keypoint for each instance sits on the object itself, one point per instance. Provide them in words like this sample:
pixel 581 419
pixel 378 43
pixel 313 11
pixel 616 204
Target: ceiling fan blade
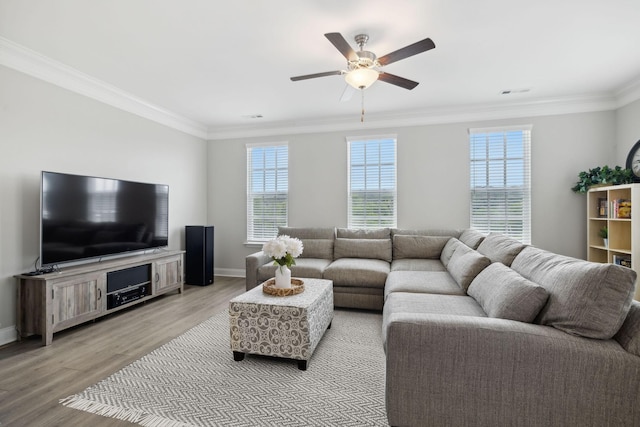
pixel 397 80
pixel 313 76
pixel 348 92
pixel 407 51
pixel 342 45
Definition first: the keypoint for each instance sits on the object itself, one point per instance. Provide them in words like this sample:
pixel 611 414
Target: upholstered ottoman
pixel 281 326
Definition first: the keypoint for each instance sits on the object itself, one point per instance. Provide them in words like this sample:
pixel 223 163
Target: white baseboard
pixel 230 272
pixel 8 335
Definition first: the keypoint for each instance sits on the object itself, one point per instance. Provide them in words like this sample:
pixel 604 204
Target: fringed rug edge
pixel 109 411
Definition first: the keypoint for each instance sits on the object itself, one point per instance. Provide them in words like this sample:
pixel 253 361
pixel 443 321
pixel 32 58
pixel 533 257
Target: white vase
pixel 283 277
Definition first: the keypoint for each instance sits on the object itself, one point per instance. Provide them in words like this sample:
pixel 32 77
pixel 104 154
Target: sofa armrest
pixel 464 370
pixel 252 263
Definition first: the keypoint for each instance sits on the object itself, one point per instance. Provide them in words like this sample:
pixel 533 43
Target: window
pixel 372 182
pixel 267 190
pixel 500 181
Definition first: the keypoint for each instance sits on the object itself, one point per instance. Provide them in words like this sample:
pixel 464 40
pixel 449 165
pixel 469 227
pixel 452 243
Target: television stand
pixel 52 302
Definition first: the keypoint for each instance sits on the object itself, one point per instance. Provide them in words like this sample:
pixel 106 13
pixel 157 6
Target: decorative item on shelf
pixel 604 233
pixel 624 208
pixel 283 250
pixel 623 260
pixel 269 287
pixel 602 176
pixel 603 208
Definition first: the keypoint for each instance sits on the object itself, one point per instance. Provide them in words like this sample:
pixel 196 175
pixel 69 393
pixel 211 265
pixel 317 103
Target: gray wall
pixel 628 130
pixel 44 127
pixel 433 180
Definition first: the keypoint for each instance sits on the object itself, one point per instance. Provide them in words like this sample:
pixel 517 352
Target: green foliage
pixel 604 232
pixel 602 175
pixel 287 260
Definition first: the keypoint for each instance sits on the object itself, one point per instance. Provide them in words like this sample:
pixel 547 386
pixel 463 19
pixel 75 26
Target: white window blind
pixel 267 190
pixel 501 181
pixel 372 182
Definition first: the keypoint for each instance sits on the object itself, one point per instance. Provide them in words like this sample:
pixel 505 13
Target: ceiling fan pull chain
pixel 362 113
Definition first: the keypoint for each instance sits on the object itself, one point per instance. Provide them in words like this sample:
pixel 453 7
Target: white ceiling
pixel 219 63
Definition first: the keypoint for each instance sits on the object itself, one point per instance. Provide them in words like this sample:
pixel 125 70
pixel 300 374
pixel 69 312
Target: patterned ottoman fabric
pixel 289 327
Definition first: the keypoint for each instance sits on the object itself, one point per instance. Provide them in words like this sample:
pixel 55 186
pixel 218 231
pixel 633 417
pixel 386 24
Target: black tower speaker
pixel 199 256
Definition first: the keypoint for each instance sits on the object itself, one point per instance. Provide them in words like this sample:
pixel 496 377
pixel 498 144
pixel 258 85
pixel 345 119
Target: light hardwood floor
pixel 34 378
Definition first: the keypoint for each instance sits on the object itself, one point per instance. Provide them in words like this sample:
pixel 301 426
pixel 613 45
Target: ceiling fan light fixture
pixel 361 78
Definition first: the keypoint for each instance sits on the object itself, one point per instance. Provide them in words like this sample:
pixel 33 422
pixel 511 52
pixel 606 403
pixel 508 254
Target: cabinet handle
pixel 157 277
pixel 99 294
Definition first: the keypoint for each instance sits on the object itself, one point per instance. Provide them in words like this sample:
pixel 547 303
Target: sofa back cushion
pixel 409 246
pixel 471 238
pixel 448 232
pixel 585 298
pixel 363 248
pixel 465 264
pixel 363 233
pixel 503 293
pixel 629 334
pixel 500 248
pixel 316 242
pixel 448 250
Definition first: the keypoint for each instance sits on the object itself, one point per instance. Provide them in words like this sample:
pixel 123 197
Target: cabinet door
pixel 168 275
pixel 77 300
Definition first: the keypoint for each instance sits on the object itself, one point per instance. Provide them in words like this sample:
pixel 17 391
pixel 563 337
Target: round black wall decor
pixel 633 161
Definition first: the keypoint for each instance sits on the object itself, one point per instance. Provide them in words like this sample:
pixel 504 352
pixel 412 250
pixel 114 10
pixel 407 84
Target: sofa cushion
pixel 585 298
pixel 448 305
pixel 448 249
pixel 446 232
pixel 431 282
pixel 317 248
pixel 412 264
pixel 312 268
pixel 465 264
pixel 629 334
pixel 500 248
pixel 362 248
pixel 362 233
pixel 405 246
pixel 471 238
pixel 505 294
pixel 358 272
pixel 308 232
pixel 413 307
pixel 317 242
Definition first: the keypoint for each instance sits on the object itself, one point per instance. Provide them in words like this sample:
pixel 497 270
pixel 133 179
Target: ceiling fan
pixel 362 66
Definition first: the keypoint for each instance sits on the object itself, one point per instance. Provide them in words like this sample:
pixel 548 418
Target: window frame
pixel 254 237
pixel 352 221
pixel 505 191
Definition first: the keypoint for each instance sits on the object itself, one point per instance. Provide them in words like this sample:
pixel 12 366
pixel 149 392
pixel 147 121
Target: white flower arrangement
pixel 283 249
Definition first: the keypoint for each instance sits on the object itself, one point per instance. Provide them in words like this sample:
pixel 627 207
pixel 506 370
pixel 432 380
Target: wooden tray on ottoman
pixel 269 287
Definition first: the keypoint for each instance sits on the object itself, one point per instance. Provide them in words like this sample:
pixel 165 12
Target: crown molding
pixel 628 93
pixel 30 62
pixel 457 114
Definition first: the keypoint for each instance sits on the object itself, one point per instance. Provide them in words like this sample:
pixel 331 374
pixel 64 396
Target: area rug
pixel 194 381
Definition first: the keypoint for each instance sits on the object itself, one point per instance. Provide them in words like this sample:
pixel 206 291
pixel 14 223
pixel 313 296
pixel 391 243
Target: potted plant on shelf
pixel 604 233
pixel 602 176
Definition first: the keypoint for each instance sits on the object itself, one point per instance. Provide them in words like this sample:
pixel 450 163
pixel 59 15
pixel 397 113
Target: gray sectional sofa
pixel 483 330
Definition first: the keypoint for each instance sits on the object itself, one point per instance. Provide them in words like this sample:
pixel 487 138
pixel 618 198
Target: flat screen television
pixel 84 217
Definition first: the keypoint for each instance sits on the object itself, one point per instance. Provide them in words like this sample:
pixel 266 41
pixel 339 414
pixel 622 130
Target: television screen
pixel 87 217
